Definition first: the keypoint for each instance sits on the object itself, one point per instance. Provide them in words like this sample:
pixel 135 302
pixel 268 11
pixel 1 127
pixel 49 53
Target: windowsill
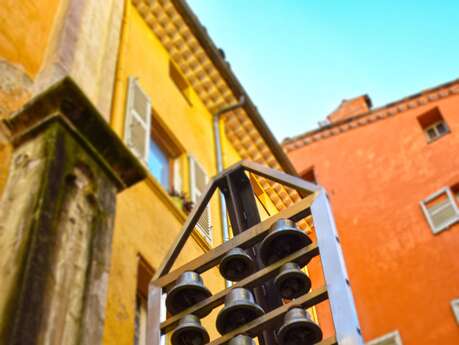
pixel 430 141
pixel 176 211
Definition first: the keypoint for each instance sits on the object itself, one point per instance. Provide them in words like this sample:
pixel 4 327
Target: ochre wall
pixel 403 277
pixel 146 221
pixel 24 32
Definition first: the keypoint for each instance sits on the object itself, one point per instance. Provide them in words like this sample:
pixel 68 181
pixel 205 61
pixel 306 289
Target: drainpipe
pixel 219 159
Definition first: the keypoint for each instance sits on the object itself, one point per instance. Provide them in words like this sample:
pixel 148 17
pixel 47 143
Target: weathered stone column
pixel 56 219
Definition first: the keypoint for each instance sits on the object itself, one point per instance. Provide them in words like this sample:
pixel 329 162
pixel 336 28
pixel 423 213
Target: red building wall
pixel 402 275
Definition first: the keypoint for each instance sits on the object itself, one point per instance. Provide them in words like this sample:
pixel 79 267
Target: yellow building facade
pixel 158 80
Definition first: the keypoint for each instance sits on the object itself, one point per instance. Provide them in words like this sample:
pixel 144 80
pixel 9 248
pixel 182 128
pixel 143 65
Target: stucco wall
pixel 403 277
pixel 24 32
pixel 145 223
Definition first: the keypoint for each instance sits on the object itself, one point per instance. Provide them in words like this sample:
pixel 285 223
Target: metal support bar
pixel 243 214
pixel 154 315
pixel 303 187
pixel 344 314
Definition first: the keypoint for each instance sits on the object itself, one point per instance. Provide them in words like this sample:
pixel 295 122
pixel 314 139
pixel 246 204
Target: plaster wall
pixel 402 275
pixel 146 221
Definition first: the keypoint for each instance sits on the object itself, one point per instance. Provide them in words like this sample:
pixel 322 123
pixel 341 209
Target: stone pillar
pixel 56 219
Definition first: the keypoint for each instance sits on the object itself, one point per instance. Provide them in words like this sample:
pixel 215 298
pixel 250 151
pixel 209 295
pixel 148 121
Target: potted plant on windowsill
pixel 181 200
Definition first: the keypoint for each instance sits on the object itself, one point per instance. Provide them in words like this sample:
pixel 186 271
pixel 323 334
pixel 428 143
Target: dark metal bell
pixel 291 282
pixel 242 340
pixel 189 332
pixel 283 239
pixel 298 329
pixel 187 291
pixel 236 265
pixel 240 308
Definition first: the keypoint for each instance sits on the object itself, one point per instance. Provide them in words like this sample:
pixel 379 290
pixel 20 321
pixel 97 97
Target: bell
pixel 240 308
pixel 187 291
pixel 283 239
pixel 189 332
pixel 298 329
pixel 291 282
pixel 236 265
pixel 241 340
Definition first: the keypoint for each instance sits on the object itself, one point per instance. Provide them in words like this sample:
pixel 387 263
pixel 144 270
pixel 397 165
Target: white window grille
pixel 137 120
pixel 440 209
pixel 198 183
pixel 392 338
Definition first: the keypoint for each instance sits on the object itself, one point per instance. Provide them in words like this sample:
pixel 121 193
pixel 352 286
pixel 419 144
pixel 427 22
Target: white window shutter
pixel 443 213
pixel 198 183
pixel 137 120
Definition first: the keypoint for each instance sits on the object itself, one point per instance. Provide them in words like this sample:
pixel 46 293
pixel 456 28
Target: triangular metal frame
pixel 304 188
pixel 314 202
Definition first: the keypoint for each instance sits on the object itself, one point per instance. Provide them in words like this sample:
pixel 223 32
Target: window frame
pixel 172 148
pixel 144 274
pixel 452 201
pixel 392 336
pixel 430 120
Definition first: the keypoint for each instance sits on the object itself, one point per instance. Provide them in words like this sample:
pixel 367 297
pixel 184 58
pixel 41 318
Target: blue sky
pixel 298 59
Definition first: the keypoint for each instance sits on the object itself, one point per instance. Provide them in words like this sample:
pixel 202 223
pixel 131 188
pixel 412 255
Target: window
pixel 392 338
pixel 455 307
pixel 150 141
pixel 140 330
pixel 309 175
pixel 160 163
pixel 180 81
pixel 433 124
pixel 144 275
pixel 198 183
pixel 441 209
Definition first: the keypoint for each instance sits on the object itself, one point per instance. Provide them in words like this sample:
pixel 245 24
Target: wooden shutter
pixel 137 120
pixel 198 183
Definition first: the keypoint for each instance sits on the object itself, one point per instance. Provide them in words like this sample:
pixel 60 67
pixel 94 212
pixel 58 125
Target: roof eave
pixel 204 39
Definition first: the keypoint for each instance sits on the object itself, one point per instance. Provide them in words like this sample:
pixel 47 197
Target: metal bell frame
pixel 314 203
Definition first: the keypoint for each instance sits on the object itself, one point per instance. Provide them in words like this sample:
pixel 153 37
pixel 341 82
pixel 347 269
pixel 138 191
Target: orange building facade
pixel 392 175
